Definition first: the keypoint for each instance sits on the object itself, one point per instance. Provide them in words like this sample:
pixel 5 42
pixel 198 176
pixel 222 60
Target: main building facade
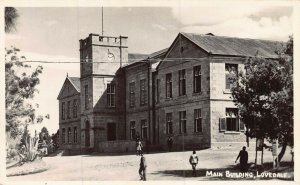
pixel 182 91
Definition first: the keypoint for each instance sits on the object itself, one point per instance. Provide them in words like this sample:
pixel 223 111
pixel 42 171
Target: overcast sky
pixel 52 34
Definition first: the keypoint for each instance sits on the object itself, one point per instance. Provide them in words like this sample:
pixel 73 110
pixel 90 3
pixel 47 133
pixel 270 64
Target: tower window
pixel 111 95
pixel 86 97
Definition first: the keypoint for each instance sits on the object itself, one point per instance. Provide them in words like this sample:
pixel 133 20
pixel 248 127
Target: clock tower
pixel 100 59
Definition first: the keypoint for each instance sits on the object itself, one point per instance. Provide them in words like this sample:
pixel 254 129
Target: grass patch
pixel 27 168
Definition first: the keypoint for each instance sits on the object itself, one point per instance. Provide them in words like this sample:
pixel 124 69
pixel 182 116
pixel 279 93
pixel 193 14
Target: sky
pixel 53 34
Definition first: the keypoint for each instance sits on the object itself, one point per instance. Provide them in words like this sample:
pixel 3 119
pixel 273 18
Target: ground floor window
pixel 132 130
pixel 169 123
pixel 69 135
pixel 231 122
pixel 75 135
pixel 63 136
pixel 144 128
pixel 198 120
pixel 182 122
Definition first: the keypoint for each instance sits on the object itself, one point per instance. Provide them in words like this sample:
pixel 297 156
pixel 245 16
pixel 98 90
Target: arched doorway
pixel 87 133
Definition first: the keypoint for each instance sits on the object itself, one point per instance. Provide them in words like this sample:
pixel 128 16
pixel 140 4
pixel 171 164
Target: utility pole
pixel 102 21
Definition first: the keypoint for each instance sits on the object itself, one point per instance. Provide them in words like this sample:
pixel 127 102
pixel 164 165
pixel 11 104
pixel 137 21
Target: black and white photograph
pixel 176 91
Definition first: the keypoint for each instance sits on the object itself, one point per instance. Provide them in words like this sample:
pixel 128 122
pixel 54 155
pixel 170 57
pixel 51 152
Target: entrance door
pixel 111 131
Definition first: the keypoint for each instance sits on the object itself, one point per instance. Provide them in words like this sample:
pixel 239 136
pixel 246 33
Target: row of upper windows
pixel 69 135
pixel 66 110
pixel 111 87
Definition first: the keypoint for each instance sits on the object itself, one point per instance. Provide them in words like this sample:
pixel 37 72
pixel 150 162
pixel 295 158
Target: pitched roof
pixel 135 57
pixel 141 58
pixel 76 82
pixel 233 46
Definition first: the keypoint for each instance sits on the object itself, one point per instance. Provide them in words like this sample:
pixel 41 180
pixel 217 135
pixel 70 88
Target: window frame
pixel 69 134
pixel 182 82
pixel 75 108
pixel 63 109
pixel 198 120
pixel 75 135
pixel 143 92
pixel 169 85
pixel 132 94
pixel 132 130
pixel 182 122
pixel 229 71
pixel 111 94
pixel 169 123
pixel 86 97
pixel 144 126
pixel 197 77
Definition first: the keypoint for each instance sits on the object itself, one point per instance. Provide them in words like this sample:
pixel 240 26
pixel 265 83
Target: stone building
pixel 182 91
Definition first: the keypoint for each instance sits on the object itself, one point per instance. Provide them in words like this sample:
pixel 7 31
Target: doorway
pixel 111 131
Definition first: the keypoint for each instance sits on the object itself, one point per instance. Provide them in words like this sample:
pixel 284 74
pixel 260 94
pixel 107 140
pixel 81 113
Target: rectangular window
pixel 68 109
pixel 182 82
pixel 157 90
pixel 182 122
pixel 132 130
pixel 86 97
pixel 75 108
pixel 198 120
pixel 169 85
pixel 63 136
pixel 144 128
pixel 169 123
pixel 75 135
pixel 63 107
pixel 231 122
pixel 69 135
pixel 231 70
pixel 197 79
pixel 111 95
pixel 132 94
pixel 143 93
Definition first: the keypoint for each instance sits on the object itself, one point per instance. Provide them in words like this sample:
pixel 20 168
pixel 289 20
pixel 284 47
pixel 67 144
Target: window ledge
pixel 232 132
pixel 182 96
pixel 198 133
pixel 169 99
pixel 197 93
pixel 227 91
pixel 182 134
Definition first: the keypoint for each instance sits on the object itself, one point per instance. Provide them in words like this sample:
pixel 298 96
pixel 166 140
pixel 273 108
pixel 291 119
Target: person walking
pixel 143 166
pixel 194 161
pixel 139 148
pixel 243 155
pixel 170 143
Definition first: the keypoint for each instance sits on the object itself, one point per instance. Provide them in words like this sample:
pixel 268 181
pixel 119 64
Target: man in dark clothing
pixel 170 143
pixel 143 166
pixel 243 155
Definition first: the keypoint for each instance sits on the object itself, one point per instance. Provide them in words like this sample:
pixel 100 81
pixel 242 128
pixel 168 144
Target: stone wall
pixel 117 146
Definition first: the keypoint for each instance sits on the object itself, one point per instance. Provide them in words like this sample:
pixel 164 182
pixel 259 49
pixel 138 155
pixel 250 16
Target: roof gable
pixel 70 87
pixel 218 45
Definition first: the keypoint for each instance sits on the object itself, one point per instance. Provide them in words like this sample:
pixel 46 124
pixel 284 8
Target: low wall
pixel 117 146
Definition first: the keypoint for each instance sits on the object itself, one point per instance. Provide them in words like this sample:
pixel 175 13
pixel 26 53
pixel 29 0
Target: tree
pixel 44 135
pixel 20 86
pixel 11 16
pixel 264 95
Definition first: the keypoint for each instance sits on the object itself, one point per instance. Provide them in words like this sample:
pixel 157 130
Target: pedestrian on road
pixel 143 166
pixel 139 148
pixel 170 143
pixel 243 155
pixel 194 161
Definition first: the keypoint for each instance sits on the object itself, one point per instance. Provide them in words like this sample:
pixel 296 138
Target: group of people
pixel 193 160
